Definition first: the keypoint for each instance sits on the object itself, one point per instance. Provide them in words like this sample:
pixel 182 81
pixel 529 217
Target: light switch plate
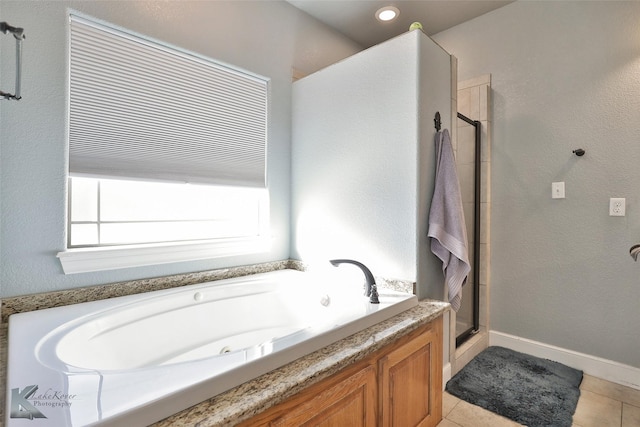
pixel 557 190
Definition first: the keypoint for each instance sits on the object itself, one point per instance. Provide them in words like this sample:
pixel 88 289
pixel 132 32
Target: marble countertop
pixel 255 396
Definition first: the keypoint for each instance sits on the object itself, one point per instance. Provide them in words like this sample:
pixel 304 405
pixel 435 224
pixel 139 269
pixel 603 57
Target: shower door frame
pixel 465 335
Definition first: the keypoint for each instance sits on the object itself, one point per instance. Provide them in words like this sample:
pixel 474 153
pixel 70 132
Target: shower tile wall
pixel 474 101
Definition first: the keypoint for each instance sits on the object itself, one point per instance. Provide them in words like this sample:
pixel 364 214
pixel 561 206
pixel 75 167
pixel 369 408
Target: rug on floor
pixel 526 389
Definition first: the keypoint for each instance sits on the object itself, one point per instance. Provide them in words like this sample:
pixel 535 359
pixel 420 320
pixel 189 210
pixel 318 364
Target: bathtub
pixel 137 359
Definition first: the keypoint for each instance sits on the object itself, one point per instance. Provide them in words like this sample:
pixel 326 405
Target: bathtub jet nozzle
pixel 371 289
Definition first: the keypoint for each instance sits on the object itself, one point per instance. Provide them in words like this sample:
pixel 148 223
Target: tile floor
pixel 601 404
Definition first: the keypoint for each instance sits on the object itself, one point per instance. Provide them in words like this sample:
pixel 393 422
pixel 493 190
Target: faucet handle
pixel 373 298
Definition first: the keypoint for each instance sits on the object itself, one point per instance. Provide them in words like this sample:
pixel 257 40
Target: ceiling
pixel 356 18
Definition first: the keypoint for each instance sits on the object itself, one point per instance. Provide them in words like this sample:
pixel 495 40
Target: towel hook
pixel 437 122
pixel 579 152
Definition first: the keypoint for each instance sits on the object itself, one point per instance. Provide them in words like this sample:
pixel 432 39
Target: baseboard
pixel 591 365
pixel 446 374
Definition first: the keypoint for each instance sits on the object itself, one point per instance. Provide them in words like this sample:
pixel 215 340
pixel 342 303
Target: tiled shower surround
pixel 474 101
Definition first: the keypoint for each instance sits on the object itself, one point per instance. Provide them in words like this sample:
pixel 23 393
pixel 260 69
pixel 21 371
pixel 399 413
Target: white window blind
pixel 141 109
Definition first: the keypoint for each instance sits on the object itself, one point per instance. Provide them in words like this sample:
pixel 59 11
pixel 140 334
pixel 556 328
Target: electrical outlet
pixel 617 206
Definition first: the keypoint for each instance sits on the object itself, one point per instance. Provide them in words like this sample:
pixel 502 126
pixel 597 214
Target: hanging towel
pixel 447 228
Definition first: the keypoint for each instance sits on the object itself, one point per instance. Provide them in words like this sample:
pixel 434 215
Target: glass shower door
pixel 469 134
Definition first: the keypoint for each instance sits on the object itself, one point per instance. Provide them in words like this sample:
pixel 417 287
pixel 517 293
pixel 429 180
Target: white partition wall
pixel 363 159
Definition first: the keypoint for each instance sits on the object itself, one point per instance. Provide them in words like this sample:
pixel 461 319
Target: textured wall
pixel 564 75
pixel 363 159
pixel 267 38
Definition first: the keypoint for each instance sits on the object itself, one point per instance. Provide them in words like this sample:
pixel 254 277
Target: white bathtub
pixel 137 359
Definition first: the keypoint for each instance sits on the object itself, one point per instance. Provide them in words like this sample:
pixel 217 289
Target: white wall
pixel 267 38
pixel 565 75
pixel 363 158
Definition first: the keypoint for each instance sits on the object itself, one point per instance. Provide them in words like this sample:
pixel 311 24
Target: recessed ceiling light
pixel 387 13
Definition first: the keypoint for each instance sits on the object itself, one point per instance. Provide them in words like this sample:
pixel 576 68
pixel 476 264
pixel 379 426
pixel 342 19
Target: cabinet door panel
pixel 351 402
pixel 411 382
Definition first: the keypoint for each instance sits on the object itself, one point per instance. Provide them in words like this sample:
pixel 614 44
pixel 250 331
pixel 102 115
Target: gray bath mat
pixel 526 389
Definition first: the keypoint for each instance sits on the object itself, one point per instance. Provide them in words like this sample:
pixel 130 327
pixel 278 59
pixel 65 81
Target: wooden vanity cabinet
pixel 398 386
pixel 348 398
pixel 410 380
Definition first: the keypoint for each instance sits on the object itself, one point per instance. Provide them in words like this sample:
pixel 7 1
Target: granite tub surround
pixel 396 285
pixel 3 369
pixel 255 396
pixel 41 301
pixel 26 303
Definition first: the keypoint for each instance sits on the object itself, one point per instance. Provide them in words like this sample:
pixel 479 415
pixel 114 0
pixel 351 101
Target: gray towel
pixel 447 228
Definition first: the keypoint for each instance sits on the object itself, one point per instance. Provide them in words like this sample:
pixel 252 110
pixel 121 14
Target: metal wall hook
pixel 17 32
pixel 579 152
pixel 437 122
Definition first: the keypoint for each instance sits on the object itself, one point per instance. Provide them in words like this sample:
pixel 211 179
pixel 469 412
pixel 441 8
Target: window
pixel 106 212
pixel 167 153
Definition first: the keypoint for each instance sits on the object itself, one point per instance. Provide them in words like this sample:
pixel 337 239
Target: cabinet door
pixel 351 402
pixel 411 381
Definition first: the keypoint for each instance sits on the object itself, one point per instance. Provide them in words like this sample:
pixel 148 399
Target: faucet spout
pixel 371 289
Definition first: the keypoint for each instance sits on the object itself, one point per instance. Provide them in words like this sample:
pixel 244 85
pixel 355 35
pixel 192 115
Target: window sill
pixel 111 258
